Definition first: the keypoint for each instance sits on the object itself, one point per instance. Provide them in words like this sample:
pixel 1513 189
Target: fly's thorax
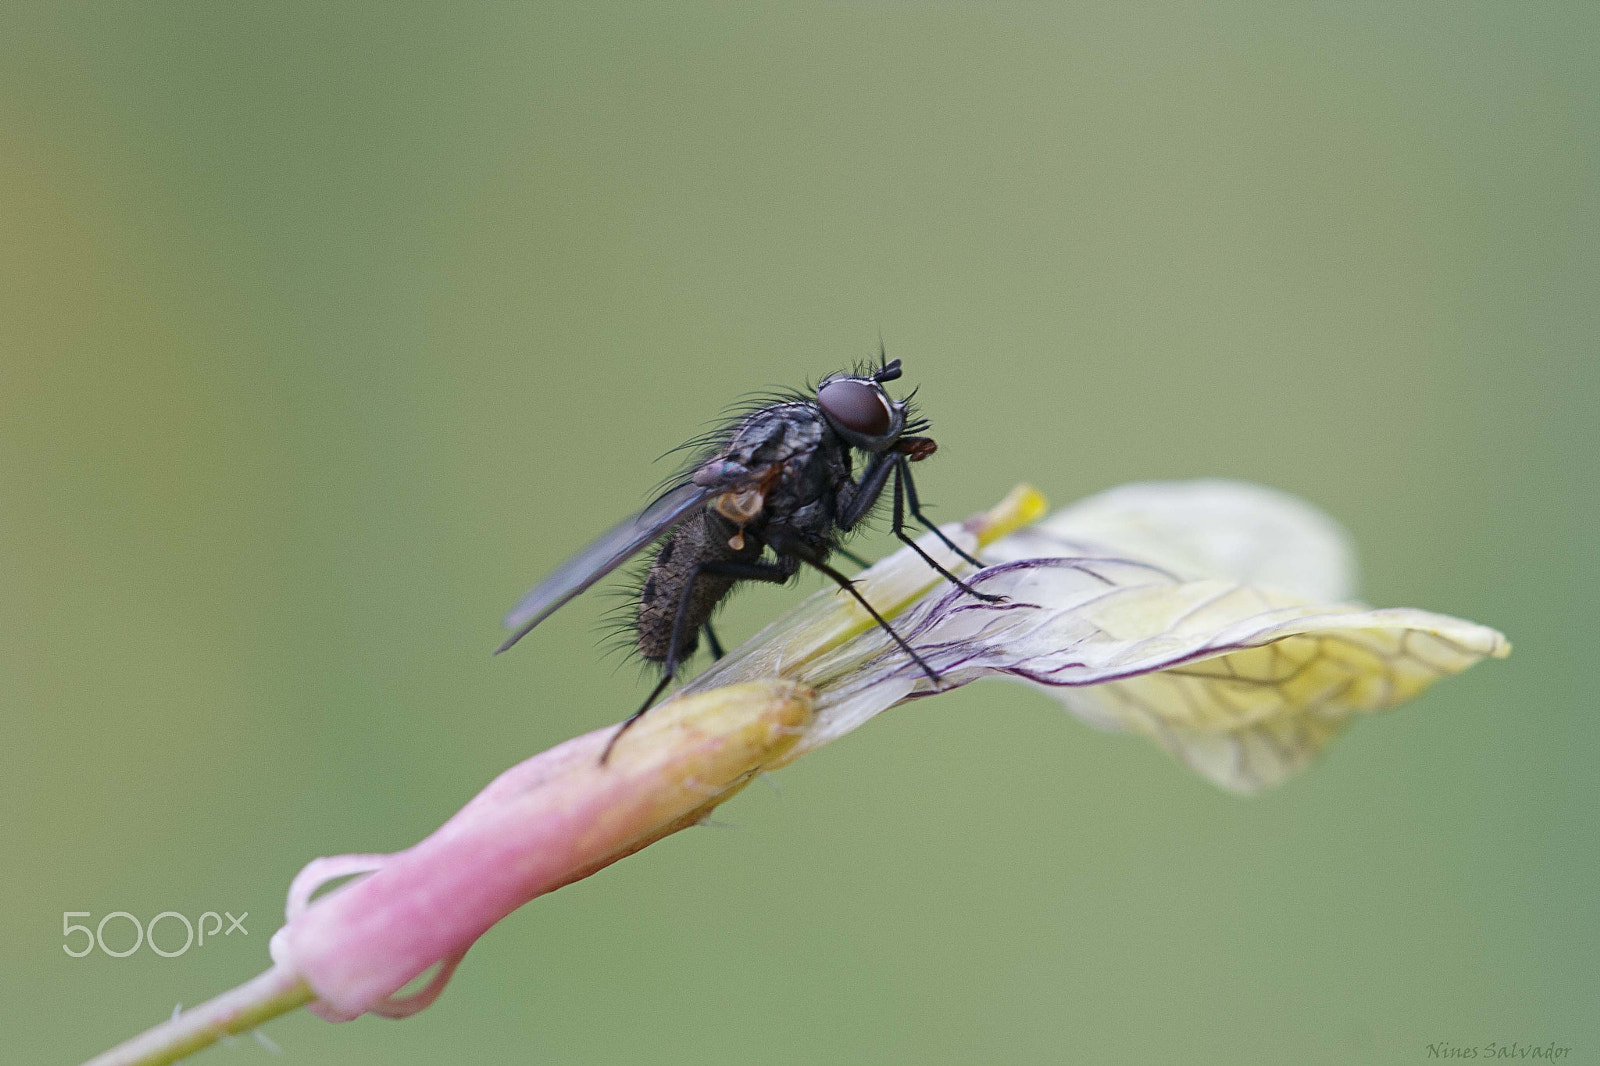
pixel 779 436
pixel 782 433
pixel 810 491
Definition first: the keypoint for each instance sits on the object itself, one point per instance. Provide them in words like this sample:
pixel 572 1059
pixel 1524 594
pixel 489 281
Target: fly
pixel 781 478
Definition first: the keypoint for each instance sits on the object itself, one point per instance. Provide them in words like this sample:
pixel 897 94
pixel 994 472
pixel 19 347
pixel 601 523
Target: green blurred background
pixel 325 330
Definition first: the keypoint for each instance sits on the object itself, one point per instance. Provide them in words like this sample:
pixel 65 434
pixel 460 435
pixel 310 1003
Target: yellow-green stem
pixel 238 1010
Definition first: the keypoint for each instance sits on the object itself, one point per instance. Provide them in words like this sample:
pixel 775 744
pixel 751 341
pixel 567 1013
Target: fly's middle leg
pixel 853 557
pixel 812 560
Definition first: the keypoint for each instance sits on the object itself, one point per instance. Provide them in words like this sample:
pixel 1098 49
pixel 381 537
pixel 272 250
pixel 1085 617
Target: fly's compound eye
pixel 856 406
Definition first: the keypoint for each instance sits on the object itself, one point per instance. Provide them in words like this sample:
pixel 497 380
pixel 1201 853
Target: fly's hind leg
pixel 777 573
pixel 712 642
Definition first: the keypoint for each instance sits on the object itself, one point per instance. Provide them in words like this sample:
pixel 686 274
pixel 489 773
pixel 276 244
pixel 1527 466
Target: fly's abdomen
pixel 700 540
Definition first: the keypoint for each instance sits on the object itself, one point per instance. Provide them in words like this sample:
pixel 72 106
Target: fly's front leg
pixel 776 573
pixel 902 474
pixel 903 471
pixel 857 499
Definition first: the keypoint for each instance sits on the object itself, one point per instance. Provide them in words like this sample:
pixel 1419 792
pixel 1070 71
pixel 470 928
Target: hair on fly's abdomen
pixel 635 618
pixel 705 538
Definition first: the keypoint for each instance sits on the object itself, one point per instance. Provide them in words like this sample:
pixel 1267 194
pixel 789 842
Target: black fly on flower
pixel 780 476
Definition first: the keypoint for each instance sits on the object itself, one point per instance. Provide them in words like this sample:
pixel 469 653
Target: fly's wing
pixel 604 554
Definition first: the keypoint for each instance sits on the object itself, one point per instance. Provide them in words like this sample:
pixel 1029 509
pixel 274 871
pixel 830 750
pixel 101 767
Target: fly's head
pixel 861 411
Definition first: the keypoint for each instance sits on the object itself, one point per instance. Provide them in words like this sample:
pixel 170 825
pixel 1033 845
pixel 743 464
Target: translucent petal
pixel 1203 528
pixel 1245 682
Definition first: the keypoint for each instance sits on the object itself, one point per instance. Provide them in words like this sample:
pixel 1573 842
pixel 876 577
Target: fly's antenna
pixel 887 371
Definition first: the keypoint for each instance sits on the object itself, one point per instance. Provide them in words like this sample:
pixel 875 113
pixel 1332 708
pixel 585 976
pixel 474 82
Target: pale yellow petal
pixel 1248 719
